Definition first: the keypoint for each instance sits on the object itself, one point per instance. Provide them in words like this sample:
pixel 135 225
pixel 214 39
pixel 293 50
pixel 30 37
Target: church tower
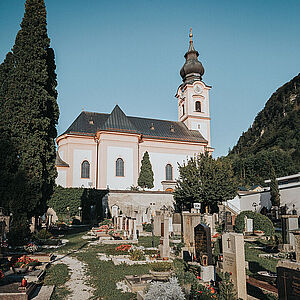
pixel 193 95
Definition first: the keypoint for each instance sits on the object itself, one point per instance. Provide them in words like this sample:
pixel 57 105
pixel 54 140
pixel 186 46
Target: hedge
pixel 74 198
pixel 260 222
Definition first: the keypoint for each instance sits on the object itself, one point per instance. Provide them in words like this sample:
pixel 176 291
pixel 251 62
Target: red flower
pixel 198 277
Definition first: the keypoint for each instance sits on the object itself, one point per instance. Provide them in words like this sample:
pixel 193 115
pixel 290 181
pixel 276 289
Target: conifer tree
pixel 274 190
pixel 145 179
pixel 226 288
pixel 31 111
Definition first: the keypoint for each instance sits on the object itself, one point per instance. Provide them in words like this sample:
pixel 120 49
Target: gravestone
pixel 203 251
pixel 288 223
pixel 248 225
pixel 234 261
pixel 288 280
pixel 164 246
pixel 157 220
pixel 176 223
pixel 114 211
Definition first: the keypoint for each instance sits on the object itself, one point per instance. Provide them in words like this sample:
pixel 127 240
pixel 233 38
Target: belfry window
pixel 85 169
pixel 198 106
pixel 169 172
pixel 120 167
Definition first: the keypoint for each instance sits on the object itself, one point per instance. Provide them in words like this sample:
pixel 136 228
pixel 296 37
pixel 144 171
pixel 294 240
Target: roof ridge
pixel 118 120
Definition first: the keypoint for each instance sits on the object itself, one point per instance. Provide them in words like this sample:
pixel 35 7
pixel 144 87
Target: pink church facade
pixel 105 150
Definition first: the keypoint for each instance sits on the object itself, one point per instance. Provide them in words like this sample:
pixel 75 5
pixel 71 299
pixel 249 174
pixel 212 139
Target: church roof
pixel 88 123
pixel 59 162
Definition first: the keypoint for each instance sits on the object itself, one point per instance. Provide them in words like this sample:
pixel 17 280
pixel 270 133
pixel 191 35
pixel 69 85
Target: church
pixel 103 151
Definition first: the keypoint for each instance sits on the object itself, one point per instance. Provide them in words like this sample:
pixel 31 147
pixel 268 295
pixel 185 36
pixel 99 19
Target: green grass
pixel 58 275
pixel 104 274
pixel 258 263
pixel 75 243
pixel 146 241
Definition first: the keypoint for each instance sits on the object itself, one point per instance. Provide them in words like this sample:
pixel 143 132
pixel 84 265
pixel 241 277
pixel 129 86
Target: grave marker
pixel 234 261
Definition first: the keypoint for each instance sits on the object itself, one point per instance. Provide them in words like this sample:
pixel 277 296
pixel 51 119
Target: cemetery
pixel 207 254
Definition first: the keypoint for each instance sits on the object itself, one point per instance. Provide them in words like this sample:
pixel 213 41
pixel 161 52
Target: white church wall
pixel 162 153
pixel 79 155
pixel 117 182
pixel 130 202
pixel 61 178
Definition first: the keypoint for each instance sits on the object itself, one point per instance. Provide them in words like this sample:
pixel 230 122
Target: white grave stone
pixel 234 261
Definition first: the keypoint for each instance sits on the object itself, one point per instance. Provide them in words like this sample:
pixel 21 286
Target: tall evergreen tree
pixel 31 112
pixel 145 179
pixel 274 190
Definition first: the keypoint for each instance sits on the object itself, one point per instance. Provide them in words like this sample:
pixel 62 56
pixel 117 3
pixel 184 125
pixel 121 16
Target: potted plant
pixel 31 248
pixel 137 254
pixel 161 270
pixel 259 232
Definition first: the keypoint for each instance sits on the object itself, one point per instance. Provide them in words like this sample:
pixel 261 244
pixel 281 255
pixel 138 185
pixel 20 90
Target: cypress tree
pixel 274 190
pixel 145 179
pixel 31 112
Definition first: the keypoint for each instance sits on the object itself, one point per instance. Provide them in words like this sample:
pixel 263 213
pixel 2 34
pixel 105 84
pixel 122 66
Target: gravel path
pixel 76 284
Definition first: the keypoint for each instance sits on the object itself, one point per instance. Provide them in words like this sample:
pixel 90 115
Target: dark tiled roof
pixel 88 123
pixel 59 162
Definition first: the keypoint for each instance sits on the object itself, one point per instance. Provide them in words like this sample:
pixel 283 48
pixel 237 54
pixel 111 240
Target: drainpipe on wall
pixel 97 159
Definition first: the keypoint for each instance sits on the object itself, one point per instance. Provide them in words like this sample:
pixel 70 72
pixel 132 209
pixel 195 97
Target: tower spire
pixel 192 69
pixel 191 47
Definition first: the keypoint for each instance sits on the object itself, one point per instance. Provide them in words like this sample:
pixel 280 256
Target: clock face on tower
pixel 198 89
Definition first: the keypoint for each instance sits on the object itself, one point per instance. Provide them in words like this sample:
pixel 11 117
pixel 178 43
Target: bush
pixel 160 267
pixel 260 222
pixel 43 235
pixel 19 232
pixel 137 254
pixel 147 227
pixel 74 198
pixel 170 290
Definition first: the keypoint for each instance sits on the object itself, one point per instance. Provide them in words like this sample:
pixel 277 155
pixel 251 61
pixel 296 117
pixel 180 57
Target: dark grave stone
pixel 288 280
pixel 203 244
pixel 186 256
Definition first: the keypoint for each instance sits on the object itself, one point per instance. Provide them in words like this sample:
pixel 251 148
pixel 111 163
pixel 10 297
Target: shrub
pixel 137 254
pixel 260 222
pixel 147 227
pixel 18 233
pixel 160 266
pixel 170 290
pixel 43 235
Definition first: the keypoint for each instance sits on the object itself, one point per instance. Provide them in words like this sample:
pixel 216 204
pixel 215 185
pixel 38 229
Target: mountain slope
pixel 274 137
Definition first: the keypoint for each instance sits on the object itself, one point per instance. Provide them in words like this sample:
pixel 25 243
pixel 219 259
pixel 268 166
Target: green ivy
pixel 73 198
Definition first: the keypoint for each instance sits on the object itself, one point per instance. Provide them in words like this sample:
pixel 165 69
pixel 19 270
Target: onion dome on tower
pixel 192 69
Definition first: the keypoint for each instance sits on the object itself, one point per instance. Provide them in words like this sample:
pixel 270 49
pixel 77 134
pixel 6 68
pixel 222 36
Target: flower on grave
pixel 3 244
pixel 23 262
pixel 199 277
pixel 31 247
pixel 1 274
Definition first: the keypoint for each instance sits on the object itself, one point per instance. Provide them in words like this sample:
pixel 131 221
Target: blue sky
pixel 130 53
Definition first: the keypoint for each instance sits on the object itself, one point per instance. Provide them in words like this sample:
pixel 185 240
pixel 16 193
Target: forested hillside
pixel 272 140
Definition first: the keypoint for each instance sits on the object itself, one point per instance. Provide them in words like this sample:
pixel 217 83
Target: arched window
pixel 169 172
pixel 198 106
pixel 119 167
pixel 182 109
pixel 85 169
